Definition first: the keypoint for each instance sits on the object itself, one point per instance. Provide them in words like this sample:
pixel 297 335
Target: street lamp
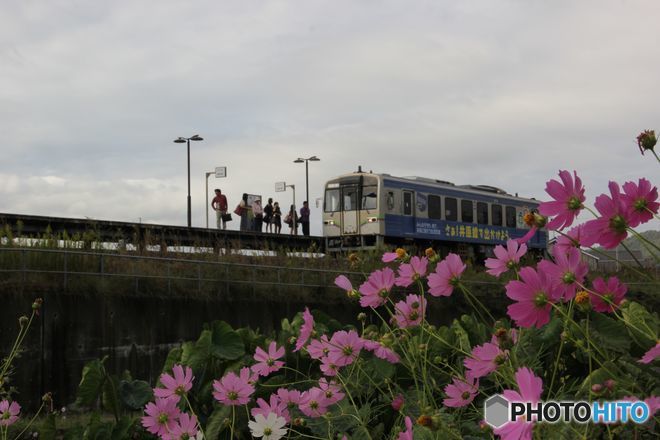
pixel 301 160
pixel 182 140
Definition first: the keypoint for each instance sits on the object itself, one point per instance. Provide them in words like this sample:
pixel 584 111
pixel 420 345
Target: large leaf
pixel 122 427
pixel 227 344
pixel 641 324
pixel 216 422
pixel 597 377
pixel 550 333
pixel 610 333
pixel 135 394
pixel 93 377
pixel 173 357
pixel 110 396
pixel 199 353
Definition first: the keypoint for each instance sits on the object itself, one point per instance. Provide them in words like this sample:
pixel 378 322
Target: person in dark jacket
pixel 304 218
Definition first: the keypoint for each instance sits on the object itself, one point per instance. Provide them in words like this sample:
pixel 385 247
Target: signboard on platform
pixel 280 186
pixel 220 171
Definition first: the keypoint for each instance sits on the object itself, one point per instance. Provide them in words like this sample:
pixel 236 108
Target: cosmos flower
pixel 506 258
pixel 178 385
pixel 651 355
pixel 344 347
pixel 610 229
pixel 313 403
pixel 382 352
pixel 411 272
pixel 332 391
pixel 185 428
pixel 568 200
pixel 641 201
pixel 318 348
pixel 408 433
pixel 567 272
pixel 305 330
pixel 535 295
pixel 268 428
pixel 409 313
pixel 530 388
pixel 461 392
pixel 9 412
pixel 274 405
pixel 607 296
pixel 162 416
pixel 232 390
pixel 377 288
pixel 446 276
pixel 570 239
pixel 268 362
pixel 484 359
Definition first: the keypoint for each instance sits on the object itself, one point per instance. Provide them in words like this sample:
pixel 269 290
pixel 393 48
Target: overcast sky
pixel 503 93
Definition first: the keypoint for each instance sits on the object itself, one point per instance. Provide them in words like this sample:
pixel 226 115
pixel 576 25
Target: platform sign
pixel 251 198
pixel 220 171
pixel 280 186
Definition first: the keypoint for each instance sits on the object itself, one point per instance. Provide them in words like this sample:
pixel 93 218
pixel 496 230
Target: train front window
pixel 332 200
pixel 369 197
pixel 349 198
pixel 482 213
pixel 466 211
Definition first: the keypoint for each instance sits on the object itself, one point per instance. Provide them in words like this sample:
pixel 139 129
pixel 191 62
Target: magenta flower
pixel 569 199
pixel 398 402
pixel 344 348
pixel 319 348
pixel 248 376
pixel 484 359
pixel 328 367
pixel 268 362
pixel 332 391
pixel 535 295
pixel 567 272
pixel 506 258
pixel 186 427
pixel 408 433
pixel 530 387
pixel 313 403
pixel 9 412
pixel 381 352
pixel 162 416
pixel 388 257
pixel 344 283
pixel 447 275
pixel 610 229
pixel 377 288
pixel 607 296
pixel 641 201
pixel 411 272
pixel 409 313
pixel 232 390
pixel 570 240
pixel 178 385
pixel 461 392
pixel 291 398
pixel 305 330
pixel 274 405
pixel 651 355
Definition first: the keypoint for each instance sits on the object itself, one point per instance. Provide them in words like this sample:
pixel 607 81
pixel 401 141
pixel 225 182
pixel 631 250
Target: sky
pixel 496 92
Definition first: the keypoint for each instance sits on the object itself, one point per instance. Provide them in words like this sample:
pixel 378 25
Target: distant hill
pixel 633 243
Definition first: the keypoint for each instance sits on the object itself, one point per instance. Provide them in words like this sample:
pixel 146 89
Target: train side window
pixel 496 214
pixel 451 209
pixel 435 207
pixel 407 203
pixel 510 217
pixel 482 213
pixel 332 200
pixel 390 201
pixel 467 215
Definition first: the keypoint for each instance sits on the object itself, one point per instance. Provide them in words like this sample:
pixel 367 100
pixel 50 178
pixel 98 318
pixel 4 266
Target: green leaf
pixel 48 429
pixel 461 336
pixel 640 322
pixel 173 357
pixel 596 377
pixel 609 333
pixel 550 333
pixel 110 398
pixel 216 422
pixel 199 353
pixel 120 431
pixel 93 377
pixel 227 344
pixel 379 369
pixel 135 394
pixel 97 430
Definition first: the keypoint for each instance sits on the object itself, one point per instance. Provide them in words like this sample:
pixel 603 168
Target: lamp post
pixel 182 140
pixel 301 160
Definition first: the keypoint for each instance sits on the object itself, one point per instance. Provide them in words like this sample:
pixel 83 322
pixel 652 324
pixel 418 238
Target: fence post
pixel 66 269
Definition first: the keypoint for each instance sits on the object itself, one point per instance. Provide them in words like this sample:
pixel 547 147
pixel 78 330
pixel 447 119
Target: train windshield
pixel 332 199
pixel 369 197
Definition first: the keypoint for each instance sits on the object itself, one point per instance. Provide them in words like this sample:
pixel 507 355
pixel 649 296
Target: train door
pixel 349 210
pixel 408 212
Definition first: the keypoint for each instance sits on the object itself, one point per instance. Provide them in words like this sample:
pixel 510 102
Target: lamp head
pixel 314 159
pixel 180 140
pixel 197 138
pixel 299 160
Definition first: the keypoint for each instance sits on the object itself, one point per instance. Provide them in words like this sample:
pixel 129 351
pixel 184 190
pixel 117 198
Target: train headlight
pixel 329 222
pixel 372 219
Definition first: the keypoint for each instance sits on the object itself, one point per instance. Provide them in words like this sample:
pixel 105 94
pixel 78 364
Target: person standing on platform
pixel 258 212
pixel 292 220
pixel 268 215
pixel 242 210
pixel 219 204
pixel 277 218
pixel 304 218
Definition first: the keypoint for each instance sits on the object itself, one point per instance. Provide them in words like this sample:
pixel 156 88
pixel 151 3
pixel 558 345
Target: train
pixel 363 210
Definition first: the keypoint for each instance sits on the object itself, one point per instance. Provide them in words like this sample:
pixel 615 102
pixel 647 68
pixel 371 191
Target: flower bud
pixel 646 140
pixel 23 321
pixel 362 316
pixel 596 388
pixel 610 383
pixel 437 360
pixel 47 398
pixel 425 421
pixel 36 305
pixel 398 402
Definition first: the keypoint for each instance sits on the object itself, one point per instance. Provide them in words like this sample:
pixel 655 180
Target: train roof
pixel 483 190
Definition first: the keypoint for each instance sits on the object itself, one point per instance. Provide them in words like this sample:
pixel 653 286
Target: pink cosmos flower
pixel 9 412
pixel 411 272
pixel 570 240
pixel 345 347
pixel 388 257
pixel 332 391
pixel 461 392
pixel 381 352
pixel 607 296
pixel 569 199
pixel 318 348
pixel 506 258
pixel 503 336
pixel 610 229
pixel 162 416
pixel 248 376
pixel 291 398
pixel 305 330
pixel 484 359
pixel 178 385
pixel 398 402
pixel 651 355
pixel 328 367
pixel 528 235
pixel 186 427
pixel 232 390
pixel 641 201
pixel 377 288
pixel 446 276
pixel 409 313
pixel 313 403
pixel 268 362
pixel 530 387
pixel 567 272
pixel 535 294
pixel 344 283
pixel 408 433
pixel 274 405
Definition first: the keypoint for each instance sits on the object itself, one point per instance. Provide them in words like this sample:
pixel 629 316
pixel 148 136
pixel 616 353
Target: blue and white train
pixel 365 210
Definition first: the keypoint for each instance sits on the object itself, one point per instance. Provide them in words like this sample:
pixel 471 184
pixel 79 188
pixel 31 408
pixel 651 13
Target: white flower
pixel 270 428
